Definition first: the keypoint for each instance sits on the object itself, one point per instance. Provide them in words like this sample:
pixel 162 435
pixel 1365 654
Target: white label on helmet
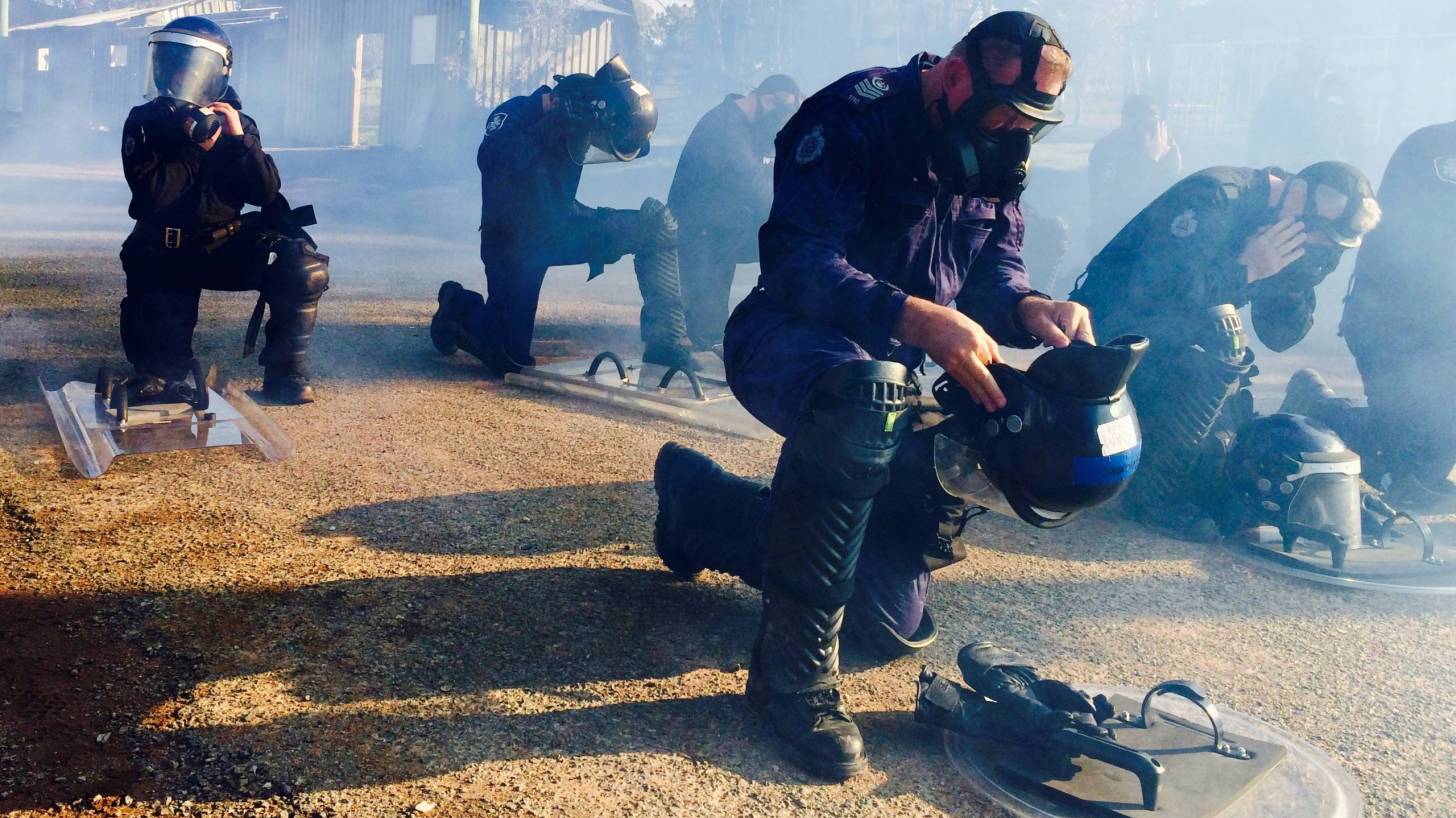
pixel 1117 436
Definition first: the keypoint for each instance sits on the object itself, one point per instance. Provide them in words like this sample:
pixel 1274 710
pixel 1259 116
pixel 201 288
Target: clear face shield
pixel 1326 501
pixel 186 68
pixel 960 474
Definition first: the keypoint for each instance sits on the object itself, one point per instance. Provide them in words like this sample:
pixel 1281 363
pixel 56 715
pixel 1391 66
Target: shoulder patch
pixel 870 89
pixel 811 146
pixel 497 121
pixel 1185 225
pixel 129 146
pixel 1446 169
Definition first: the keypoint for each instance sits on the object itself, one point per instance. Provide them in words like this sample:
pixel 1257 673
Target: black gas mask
pixel 976 152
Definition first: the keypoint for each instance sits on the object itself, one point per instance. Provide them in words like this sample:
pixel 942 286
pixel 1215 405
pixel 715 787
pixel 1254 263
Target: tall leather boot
pixel 708 518
pixel 831 468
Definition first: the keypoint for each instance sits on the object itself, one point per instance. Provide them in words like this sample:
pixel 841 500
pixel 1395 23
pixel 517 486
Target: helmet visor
pixel 960 474
pixel 1329 502
pixel 186 68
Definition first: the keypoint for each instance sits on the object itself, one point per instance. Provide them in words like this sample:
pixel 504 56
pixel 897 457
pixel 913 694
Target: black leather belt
pixel 175 238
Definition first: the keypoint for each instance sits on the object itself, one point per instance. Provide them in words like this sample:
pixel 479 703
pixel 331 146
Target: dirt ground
pixel 447 603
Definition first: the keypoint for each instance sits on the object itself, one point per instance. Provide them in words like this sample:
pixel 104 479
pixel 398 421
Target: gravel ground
pixel 446 602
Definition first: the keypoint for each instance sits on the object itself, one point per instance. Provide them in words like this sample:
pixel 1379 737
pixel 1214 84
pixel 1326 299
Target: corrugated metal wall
pixel 511 64
pixel 322 35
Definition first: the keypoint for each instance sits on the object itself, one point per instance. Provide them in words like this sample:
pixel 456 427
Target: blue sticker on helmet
pixel 1106 471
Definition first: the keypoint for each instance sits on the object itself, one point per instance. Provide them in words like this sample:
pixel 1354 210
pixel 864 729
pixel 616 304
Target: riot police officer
pixel 896 194
pixel 1398 323
pixel 1129 168
pixel 720 195
pixel 193 160
pixel 1219 240
pixel 530 163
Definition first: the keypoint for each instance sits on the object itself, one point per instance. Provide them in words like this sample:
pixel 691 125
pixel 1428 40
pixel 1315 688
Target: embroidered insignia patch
pixel 872 88
pixel 1446 169
pixel 496 121
pixel 129 146
pixel 1185 225
pixel 811 147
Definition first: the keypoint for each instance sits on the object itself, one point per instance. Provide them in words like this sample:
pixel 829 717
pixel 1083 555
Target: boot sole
pixel 815 766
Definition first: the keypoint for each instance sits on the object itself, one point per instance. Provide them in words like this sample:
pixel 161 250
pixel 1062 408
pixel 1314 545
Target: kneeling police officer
pixel 896 194
pixel 193 160
pixel 530 163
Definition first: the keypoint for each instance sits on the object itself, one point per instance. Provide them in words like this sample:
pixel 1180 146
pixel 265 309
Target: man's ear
pixel 958 80
pixel 1294 199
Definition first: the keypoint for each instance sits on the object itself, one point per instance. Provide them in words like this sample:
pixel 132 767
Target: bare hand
pixel 1156 141
pixel 232 121
pixel 1056 323
pixel 1273 248
pixel 958 344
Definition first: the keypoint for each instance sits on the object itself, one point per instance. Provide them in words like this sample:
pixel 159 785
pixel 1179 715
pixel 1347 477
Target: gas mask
pixel 975 153
pixel 773 115
pixel 606 117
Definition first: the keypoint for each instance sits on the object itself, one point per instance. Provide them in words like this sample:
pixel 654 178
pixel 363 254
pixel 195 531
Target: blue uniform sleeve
pixel 509 160
pixel 820 183
pixel 998 280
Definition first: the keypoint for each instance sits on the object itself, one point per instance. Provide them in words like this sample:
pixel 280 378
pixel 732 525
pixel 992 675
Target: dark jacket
pixel 1179 257
pixel 860 223
pixel 175 183
pixel 724 180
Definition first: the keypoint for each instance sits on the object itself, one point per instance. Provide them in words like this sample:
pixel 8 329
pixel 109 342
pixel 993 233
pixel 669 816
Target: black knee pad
pixel 296 272
pixel 855 416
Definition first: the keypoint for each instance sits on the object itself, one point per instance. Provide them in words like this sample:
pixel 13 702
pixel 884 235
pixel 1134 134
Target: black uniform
pixel 190 236
pixel 1401 312
pixel 721 194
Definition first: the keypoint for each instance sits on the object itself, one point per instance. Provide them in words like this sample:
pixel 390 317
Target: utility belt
pixel 176 238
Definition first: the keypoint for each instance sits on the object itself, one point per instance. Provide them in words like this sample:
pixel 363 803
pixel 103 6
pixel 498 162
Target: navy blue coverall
pixel 530 220
pixel 860 224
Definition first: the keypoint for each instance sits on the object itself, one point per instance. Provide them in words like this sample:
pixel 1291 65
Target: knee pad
pixel 298 272
pixel 855 416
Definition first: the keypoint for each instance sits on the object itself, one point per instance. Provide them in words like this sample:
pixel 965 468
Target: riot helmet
pixel 1067 440
pixel 189 62
pixel 1296 474
pixel 984 148
pixel 607 117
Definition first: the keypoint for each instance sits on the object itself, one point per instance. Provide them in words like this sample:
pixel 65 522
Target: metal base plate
pixel 639 387
pixel 1397 568
pixel 1304 784
pixel 93 438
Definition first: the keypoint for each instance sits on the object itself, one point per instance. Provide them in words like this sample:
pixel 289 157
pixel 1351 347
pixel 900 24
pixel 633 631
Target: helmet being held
pixel 609 116
pixel 970 155
pixel 1067 440
pixel 1296 474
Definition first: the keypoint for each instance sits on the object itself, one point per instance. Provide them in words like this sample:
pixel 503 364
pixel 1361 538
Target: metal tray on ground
pixel 1399 566
pixel 700 399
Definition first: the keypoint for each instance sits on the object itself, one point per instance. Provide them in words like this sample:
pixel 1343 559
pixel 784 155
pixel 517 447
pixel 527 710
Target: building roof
pixel 227 12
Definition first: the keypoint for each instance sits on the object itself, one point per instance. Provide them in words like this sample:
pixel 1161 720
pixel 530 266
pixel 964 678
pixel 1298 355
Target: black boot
pixel 706 517
pixel 449 331
pixel 830 471
pixel 295 281
pixel 287 384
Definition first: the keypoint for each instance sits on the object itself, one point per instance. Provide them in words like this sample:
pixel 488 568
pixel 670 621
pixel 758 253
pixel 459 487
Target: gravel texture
pixel 446 603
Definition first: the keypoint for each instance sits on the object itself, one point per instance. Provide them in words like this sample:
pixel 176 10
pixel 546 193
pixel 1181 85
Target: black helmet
pixel 1067 440
pixel 189 61
pixel 1296 474
pixel 609 117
